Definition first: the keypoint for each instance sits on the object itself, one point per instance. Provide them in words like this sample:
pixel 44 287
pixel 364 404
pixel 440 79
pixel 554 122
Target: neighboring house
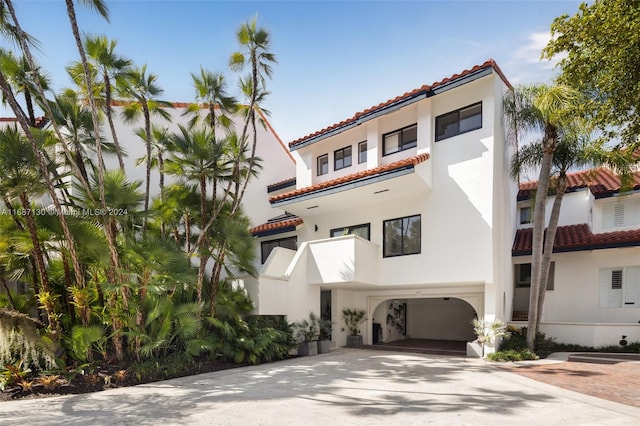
pixel 593 294
pixel 405 210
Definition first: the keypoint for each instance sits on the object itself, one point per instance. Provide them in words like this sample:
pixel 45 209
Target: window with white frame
pixel 525 215
pixel 620 287
pixel 400 139
pixel 342 158
pixel 621 213
pixel 323 164
pixel 362 152
pixel 459 121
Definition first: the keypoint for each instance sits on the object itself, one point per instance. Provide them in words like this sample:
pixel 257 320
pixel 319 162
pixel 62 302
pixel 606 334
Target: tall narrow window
pixel 400 139
pixel 402 236
pixel 525 215
pixel 460 121
pixel 342 158
pixel 362 152
pixel 323 164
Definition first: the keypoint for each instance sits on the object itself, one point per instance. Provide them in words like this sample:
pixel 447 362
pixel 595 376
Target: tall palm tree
pixel 112 67
pixel 211 93
pixel 143 89
pixel 548 110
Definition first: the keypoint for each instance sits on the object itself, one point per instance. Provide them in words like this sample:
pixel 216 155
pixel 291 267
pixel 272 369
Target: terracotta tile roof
pixel 489 63
pixel 282 184
pixel 276 225
pixel 601 182
pixel 40 121
pixel 412 161
pixel 577 238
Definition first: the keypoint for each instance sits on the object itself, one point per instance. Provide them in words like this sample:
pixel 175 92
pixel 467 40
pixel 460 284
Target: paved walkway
pixel 618 382
pixel 355 387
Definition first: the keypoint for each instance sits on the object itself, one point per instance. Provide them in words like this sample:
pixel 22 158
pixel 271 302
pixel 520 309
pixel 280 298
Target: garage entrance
pixel 435 325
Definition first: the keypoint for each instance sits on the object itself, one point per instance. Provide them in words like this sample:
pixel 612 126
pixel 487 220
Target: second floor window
pixel 362 152
pixel 363 231
pixel 460 121
pixel 323 164
pixel 525 215
pixel 399 140
pixel 342 158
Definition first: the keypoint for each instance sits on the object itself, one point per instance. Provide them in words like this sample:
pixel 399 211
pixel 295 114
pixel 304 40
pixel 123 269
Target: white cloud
pixel 524 64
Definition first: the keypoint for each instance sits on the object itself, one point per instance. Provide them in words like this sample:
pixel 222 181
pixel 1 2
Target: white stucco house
pixel 403 210
pixel 593 295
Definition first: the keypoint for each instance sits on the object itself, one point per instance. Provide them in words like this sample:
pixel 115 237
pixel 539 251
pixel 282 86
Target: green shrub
pixel 513 355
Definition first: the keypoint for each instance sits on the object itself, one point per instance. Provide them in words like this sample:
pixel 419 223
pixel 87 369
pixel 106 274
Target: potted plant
pixel 488 332
pixel 324 338
pixel 352 319
pixel 307 332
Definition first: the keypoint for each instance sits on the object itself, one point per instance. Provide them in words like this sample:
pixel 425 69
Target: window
pixel 399 140
pixel 268 246
pixel 620 287
pixel 342 158
pixel 457 122
pixel 523 275
pixel 401 236
pixel 363 231
pixel 362 152
pixel 525 215
pixel 323 164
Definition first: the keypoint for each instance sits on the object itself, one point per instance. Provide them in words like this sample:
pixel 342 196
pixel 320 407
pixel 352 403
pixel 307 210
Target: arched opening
pixel 422 323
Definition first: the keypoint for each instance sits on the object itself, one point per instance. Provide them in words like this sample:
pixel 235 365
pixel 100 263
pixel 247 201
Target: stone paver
pixel 345 387
pixel 615 382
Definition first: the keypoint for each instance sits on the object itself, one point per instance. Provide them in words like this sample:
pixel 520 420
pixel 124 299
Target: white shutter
pixel 610 297
pixel 632 287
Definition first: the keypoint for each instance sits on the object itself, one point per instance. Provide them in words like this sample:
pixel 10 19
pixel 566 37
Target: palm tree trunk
pixel 549 242
pixel 203 241
pixel 6 288
pixel 39 260
pixel 549 144
pixel 29 103
pixel 113 252
pixel 107 111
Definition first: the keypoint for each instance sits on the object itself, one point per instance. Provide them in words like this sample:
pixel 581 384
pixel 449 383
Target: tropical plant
pixel 488 331
pixel 211 94
pixel 353 318
pixel 308 329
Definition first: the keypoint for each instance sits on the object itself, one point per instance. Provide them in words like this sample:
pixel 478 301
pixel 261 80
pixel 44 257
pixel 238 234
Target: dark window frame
pixel 402 144
pixel 350 230
pixel 520 283
pixel 439 138
pixel 361 152
pixel 319 167
pixel 264 257
pixel 339 155
pixel 403 253
pixel 528 217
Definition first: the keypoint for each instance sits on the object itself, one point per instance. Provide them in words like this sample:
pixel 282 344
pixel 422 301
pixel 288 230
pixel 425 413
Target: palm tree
pixel 101 51
pixel 211 93
pixel 198 158
pixel 20 77
pixel 547 109
pixel 143 89
pixel 20 178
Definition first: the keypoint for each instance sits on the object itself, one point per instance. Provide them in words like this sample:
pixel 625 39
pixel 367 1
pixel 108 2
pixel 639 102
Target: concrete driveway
pixel 359 387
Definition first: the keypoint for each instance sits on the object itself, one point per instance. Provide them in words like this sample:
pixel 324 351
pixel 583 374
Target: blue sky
pixel 335 57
